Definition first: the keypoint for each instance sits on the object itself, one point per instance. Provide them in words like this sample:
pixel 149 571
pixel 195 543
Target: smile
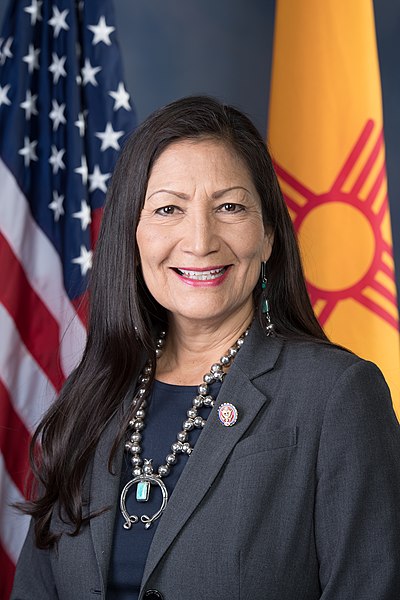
pixel 201 275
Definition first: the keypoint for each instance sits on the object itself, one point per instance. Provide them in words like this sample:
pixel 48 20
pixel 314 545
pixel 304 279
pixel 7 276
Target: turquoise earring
pixel 269 326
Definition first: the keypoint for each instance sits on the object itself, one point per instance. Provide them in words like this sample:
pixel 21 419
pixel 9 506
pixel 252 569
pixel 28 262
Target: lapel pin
pixel 227 414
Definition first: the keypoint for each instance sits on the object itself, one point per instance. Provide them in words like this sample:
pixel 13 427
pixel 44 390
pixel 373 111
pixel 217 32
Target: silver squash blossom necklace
pixel 143 471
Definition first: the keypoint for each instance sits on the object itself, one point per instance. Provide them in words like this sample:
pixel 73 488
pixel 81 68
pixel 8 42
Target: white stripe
pixel 42 266
pixel 13 524
pixel 30 390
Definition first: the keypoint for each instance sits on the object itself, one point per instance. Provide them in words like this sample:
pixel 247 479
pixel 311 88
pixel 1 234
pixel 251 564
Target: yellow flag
pixel 326 137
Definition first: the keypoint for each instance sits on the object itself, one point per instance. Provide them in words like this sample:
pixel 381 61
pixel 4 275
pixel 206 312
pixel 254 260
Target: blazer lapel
pixel 216 442
pixel 104 490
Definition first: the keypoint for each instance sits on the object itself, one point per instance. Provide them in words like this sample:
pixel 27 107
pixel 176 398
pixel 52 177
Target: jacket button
pixel 153 595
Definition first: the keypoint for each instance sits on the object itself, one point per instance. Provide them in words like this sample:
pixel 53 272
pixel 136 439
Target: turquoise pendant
pixel 143 491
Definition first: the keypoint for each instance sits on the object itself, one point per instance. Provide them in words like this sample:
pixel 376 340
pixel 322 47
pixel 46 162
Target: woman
pixel 200 322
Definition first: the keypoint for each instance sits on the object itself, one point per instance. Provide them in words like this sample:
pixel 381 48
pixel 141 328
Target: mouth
pixel 201 274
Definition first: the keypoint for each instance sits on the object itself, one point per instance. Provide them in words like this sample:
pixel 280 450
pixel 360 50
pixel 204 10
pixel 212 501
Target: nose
pixel 201 234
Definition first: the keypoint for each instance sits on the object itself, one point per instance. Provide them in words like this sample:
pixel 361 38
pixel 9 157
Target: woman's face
pixel 200 235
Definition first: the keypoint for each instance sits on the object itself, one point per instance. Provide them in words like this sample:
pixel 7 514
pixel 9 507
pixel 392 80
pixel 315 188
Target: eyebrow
pixel 215 195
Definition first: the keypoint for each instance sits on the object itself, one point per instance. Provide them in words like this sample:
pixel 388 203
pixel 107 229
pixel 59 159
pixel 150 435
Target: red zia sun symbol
pixel 348 226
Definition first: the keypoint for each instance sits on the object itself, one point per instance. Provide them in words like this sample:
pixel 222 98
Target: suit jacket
pixel 299 500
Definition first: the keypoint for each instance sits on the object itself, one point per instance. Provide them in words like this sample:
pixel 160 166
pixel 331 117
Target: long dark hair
pixel 123 314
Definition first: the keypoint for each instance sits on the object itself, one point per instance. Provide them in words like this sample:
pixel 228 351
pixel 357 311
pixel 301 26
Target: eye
pixel 167 210
pixel 231 207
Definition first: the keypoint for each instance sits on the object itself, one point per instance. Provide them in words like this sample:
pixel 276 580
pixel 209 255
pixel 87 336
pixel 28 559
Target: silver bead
pixel 170 459
pixel 137 471
pixel 139 425
pixel 215 368
pixel 208 400
pixel 135 449
pixel 182 436
pixel 132 423
pixel 240 342
pixel 203 389
pixel 176 447
pixel 141 392
pixel 208 378
pixel 163 470
pixel 158 352
pixel 136 461
pixel 192 413
pixel 136 437
pixel 232 351
pixel 140 414
pixel 199 422
pixel 225 360
pixel 144 379
pixel 198 401
pixel 128 446
pixel 147 370
pixel 186 447
pixel 188 425
pixel 147 467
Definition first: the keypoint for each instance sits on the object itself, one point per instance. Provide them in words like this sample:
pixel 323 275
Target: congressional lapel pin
pixel 227 414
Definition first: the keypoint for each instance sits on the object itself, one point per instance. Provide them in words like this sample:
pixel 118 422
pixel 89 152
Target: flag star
pixel 28 151
pixel 57 205
pixel 34 11
pixel 84 260
pixel 29 105
pixel 89 73
pixel 83 170
pixel 5 51
pixel 80 124
pixel 109 138
pixel 101 32
pixel 83 215
pixel 3 94
pixel 32 58
pixel 58 20
pixel 56 159
pixel 121 97
pixel 57 67
pixel 57 114
pixel 98 180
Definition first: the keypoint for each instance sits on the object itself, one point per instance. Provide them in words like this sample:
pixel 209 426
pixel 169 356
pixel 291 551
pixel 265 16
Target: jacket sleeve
pixel 357 508
pixel 34 576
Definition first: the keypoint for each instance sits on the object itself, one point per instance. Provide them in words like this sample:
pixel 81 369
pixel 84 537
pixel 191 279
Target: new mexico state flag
pixel 325 134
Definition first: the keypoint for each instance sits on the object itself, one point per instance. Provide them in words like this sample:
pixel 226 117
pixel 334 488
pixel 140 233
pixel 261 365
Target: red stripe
pixel 14 441
pixel 95 225
pixel 354 154
pixel 38 329
pixel 365 171
pixel 7 572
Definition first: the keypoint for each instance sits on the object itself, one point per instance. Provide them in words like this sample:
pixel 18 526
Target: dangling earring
pixel 264 300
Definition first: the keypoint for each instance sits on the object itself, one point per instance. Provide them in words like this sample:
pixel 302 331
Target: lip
pixel 202 277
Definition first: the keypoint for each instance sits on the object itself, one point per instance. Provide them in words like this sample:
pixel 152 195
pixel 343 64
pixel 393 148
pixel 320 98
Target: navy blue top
pixel 165 415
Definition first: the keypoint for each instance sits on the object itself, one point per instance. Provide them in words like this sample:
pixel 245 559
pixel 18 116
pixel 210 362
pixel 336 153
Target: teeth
pixel 202 275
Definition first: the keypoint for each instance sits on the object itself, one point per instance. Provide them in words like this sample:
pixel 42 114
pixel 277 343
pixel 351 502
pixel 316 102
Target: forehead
pixel 208 158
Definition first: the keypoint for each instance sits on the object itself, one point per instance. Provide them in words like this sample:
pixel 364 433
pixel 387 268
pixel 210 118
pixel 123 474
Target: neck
pixel 192 347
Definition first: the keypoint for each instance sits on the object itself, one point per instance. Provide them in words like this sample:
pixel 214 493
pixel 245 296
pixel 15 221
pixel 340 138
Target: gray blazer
pixel 299 500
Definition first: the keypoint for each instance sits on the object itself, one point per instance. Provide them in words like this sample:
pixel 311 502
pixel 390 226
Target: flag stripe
pixel 13 524
pixel 7 574
pixel 30 390
pixel 42 265
pixel 37 327
pixel 14 441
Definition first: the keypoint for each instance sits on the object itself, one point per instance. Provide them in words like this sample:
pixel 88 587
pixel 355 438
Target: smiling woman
pixel 211 439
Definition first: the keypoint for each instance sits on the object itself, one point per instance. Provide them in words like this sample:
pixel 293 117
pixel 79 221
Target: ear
pixel 268 243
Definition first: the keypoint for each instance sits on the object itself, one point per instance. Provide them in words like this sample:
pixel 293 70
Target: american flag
pixel 64 112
